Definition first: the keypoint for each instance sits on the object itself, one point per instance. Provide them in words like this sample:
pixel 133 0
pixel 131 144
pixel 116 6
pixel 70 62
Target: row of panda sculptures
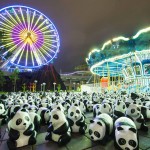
pixel 116 116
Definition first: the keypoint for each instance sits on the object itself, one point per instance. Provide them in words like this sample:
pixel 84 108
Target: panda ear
pixel 133 130
pixel 119 128
pixel 99 123
pixel 12 115
pixel 91 121
pixel 118 103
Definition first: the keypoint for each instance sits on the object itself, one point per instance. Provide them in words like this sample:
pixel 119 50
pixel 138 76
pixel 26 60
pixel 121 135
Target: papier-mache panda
pixel 101 128
pixel 76 120
pixel 3 114
pixel 58 130
pixel 133 112
pixel 96 110
pixel 126 136
pixel 119 109
pixel 36 119
pixel 21 130
pixel 44 113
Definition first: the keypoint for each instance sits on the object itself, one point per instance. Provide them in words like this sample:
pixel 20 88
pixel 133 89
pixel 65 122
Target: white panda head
pixel 57 118
pixel 133 110
pixel 57 105
pixel 126 137
pixel 20 121
pixel 2 109
pixel 120 106
pixel 89 106
pixel 33 108
pixel 106 108
pixel 74 113
pixel 97 129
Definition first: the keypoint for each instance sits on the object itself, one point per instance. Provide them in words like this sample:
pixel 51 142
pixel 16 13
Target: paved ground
pixel 78 142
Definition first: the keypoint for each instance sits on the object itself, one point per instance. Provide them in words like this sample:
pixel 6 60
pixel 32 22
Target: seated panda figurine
pixel 106 108
pixel 133 112
pixel 76 120
pixel 119 109
pixel 21 130
pixel 126 136
pixel 36 119
pixel 58 130
pixel 96 110
pixel 101 128
pixel 3 114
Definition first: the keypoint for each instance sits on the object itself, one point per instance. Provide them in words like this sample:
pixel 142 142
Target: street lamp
pixel 41 87
pixel 54 86
pixel 35 82
pixel 74 85
pixel 44 87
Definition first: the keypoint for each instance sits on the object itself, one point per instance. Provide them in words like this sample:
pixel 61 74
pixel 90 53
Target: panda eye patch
pixel 72 113
pixel 77 111
pixel 138 109
pixel 90 131
pixel 56 117
pixel 27 118
pixel 122 141
pixel 132 111
pixel 132 143
pixel 97 134
pixel 0 107
pixel 18 121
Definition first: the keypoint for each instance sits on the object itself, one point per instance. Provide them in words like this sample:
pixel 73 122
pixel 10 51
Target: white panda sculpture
pixel 36 119
pixel 96 110
pixel 21 130
pixel 101 128
pixel 133 112
pixel 76 120
pixel 126 136
pixel 58 130
pixel 119 109
pixel 44 113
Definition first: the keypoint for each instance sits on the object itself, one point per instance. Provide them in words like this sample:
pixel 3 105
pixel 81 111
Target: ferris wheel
pixel 30 39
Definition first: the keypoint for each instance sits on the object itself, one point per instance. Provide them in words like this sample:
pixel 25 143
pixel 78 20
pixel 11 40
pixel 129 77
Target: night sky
pixel 86 24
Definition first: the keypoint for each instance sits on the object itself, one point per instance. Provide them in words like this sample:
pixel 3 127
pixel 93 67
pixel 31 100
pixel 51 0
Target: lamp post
pixel 54 86
pixel 35 82
pixel 44 87
pixel 74 85
pixel 41 87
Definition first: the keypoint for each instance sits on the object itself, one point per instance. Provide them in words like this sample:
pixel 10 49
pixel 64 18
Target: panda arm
pixel 140 119
pixel 50 128
pixel 70 122
pixel 13 134
pixel 29 130
pixel 80 122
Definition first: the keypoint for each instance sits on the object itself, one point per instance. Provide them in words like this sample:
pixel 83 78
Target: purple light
pixel 16 31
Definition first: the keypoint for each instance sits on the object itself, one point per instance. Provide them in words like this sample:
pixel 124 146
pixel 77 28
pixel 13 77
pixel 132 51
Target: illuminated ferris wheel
pixel 30 39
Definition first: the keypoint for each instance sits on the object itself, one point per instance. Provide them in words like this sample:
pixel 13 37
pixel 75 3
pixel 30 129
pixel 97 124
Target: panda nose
pixel 92 138
pixel 24 124
pixel 127 148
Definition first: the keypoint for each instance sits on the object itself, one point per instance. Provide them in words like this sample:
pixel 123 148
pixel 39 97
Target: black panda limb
pixel 12 145
pixel 29 131
pixel 64 139
pixel 13 134
pixel 32 139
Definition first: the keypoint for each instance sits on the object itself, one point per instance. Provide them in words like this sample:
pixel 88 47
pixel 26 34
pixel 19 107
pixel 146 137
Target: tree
pixel 14 77
pixel 2 79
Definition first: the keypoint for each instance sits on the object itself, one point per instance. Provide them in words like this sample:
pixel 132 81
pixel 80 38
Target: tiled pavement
pixel 78 142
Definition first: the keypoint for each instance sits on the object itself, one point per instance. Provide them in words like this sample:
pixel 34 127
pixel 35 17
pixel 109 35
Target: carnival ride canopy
pixel 118 53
